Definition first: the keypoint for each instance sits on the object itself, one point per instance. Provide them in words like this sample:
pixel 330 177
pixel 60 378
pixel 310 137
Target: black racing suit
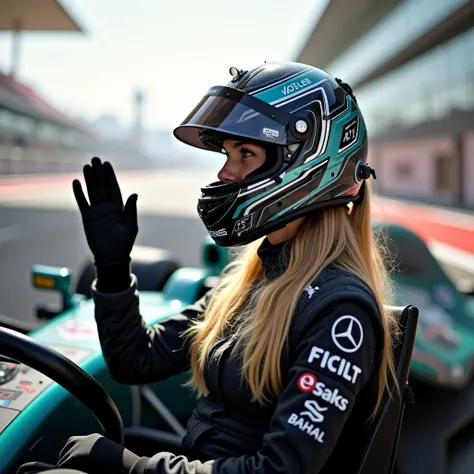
pixel 329 371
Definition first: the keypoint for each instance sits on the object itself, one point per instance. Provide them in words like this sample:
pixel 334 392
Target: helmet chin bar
pixel 229 239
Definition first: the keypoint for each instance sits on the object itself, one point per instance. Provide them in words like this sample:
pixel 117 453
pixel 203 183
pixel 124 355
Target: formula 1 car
pixel 54 382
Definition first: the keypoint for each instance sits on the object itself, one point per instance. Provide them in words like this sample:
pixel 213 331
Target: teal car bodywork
pixel 444 347
pixel 37 415
pixel 38 428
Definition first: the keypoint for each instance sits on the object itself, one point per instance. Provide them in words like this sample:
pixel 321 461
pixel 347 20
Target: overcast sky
pixel 173 50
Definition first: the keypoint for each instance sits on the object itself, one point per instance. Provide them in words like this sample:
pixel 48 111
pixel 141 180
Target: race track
pixel 39 223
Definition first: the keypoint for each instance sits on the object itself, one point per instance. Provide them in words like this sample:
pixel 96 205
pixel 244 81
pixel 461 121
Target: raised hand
pixel 110 227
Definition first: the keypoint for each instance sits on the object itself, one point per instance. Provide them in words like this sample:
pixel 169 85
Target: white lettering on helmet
pixel 335 364
pixel 296 86
pixel 218 233
pixel 270 132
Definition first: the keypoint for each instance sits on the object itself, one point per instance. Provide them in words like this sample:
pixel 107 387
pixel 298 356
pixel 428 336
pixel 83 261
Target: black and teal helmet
pixel 316 142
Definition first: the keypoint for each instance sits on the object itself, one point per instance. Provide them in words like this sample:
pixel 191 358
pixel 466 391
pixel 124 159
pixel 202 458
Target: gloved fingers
pixel 79 195
pixel 96 454
pixel 111 184
pixel 130 211
pixel 99 178
pixel 91 184
pixel 35 467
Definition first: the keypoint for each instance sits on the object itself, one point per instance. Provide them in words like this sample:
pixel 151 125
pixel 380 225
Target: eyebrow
pixel 237 144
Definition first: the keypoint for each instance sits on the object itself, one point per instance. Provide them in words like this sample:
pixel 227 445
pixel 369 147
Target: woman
pixel 292 351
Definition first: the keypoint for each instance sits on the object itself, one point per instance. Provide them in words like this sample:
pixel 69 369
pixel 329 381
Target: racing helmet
pixel 315 140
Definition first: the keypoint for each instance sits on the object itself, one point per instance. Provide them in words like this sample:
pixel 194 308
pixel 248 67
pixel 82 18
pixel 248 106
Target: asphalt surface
pixel 55 237
pixel 40 223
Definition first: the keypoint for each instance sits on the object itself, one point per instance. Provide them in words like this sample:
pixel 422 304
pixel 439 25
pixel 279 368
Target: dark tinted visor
pixel 234 112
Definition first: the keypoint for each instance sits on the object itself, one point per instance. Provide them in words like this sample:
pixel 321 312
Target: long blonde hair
pixel 333 236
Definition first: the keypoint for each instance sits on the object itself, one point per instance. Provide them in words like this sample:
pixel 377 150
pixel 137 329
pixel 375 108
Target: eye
pixel 246 153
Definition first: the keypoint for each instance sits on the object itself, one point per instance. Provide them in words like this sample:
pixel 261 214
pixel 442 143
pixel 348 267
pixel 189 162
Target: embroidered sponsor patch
pixel 311 290
pixel 314 411
pixel 334 363
pixel 306 382
pixel 347 333
pixel 332 396
pixel 304 425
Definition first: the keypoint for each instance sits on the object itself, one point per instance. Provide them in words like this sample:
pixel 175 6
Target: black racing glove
pixel 92 454
pixel 96 454
pixel 110 227
pixel 35 467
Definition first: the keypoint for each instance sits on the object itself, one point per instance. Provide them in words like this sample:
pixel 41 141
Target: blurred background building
pixel 36 137
pixel 410 62
pixel 411 65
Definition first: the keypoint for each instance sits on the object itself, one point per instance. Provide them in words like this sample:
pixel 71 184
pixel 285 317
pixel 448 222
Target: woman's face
pixel 242 159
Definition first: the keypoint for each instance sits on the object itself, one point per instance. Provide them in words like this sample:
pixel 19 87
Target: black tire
pixel 153 276
pixel 152 273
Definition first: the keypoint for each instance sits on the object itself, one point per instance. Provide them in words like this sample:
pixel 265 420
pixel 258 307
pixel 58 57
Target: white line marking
pixel 452 256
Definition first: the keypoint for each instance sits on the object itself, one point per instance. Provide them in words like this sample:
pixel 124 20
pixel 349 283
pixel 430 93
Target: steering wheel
pixel 66 373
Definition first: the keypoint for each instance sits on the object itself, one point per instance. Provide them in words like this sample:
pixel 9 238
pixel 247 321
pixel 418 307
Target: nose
pixel 229 173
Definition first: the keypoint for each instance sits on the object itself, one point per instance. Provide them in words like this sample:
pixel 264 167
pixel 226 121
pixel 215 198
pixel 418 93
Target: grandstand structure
pixel 35 137
pixel 411 65
pixel 18 16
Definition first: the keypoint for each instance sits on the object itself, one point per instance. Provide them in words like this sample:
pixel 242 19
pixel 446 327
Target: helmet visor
pixel 234 112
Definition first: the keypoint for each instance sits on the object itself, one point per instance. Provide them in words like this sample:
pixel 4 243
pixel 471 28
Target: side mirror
pixel 56 279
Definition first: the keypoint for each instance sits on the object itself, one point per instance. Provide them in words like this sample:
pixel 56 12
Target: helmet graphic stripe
pixel 309 135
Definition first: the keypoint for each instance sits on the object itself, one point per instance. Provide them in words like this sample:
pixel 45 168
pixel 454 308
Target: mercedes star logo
pixel 347 333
